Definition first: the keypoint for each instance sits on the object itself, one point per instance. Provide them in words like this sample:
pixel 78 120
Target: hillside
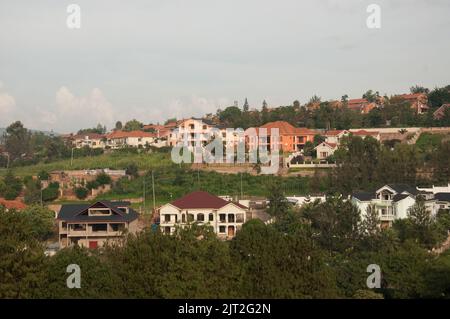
pixel 112 161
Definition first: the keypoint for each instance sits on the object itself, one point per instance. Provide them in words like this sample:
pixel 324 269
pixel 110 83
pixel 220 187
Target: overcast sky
pixel 157 59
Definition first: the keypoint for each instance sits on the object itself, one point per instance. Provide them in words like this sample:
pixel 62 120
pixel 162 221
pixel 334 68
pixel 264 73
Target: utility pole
pixel 241 185
pixel 153 187
pixel 71 158
pixel 143 197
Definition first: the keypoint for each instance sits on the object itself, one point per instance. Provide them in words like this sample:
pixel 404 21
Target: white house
pixel 392 202
pixel 302 200
pixel 325 149
pixel 91 140
pixel 203 208
pixel 119 139
pixel 335 136
pixel 440 201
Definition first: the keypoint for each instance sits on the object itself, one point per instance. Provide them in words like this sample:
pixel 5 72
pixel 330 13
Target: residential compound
pixel 94 225
pixel 289 139
pixel 120 139
pixel 195 132
pixel 203 208
pixel 393 201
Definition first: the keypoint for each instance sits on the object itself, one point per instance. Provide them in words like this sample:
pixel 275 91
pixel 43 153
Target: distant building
pixel 391 201
pixel 12 204
pixel 440 112
pixel 325 149
pixel 291 139
pixel 94 225
pixel 363 134
pixel 203 208
pixel 362 106
pixel 91 140
pixel 120 139
pixel 418 101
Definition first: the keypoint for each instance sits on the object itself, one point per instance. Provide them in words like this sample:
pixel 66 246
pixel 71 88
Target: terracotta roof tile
pixel 12 204
pixel 200 199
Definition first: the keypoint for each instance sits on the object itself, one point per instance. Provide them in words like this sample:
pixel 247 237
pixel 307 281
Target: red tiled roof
pixel 365 133
pixel 12 204
pixel 332 145
pixel 334 132
pixel 200 199
pixel 415 96
pixel 285 128
pixel 357 101
pixel 124 134
pixel 91 136
pixel 155 127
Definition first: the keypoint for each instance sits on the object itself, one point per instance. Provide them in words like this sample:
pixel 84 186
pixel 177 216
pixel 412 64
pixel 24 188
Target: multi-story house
pixel 418 101
pixel 203 208
pixel 391 201
pixel 120 139
pixel 192 132
pixel 290 139
pixel 362 106
pixel 94 225
pixel 91 140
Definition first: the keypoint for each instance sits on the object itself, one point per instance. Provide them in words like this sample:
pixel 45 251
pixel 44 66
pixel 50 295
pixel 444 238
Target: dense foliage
pixel 320 251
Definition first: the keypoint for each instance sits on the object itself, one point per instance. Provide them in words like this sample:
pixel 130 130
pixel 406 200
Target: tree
pixel 17 140
pixel 246 107
pixel 291 265
pixel 133 125
pixel 81 192
pixel 371 96
pixel 103 179
pixel 12 186
pixel 418 89
pixel 118 126
pixel 43 175
pixel 132 170
pixel 278 204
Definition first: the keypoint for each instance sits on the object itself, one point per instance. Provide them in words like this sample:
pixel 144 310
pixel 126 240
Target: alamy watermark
pixel 255 146
pixel 374 279
pixel 74 19
pixel 74 279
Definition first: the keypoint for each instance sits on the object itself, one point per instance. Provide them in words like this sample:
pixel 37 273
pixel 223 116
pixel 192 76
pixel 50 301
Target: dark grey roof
pixel 399 197
pixel 442 197
pixel 364 196
pixel 400 188
pixel 72 213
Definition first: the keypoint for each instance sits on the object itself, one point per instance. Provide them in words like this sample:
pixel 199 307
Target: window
pixel 211 217
pixel 191 126
pixel 167 218
pixel 231 218
pixel 200 217
pixel 183 218
pixel 222 218
pixel 222 229
pixel 205 127
pixel 239 218
pixel 117 227
pixel 99 227
pixel 323 154
pixel 167 230
pixel 190 217
pixel 99 212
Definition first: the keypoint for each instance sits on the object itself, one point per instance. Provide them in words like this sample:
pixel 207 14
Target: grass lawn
pixel 112 161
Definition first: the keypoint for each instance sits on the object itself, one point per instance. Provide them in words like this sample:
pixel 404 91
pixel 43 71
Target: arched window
pixel 211 217
pixel 200 217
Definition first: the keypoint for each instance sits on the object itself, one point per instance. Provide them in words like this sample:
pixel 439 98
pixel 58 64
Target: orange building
pixel 291 139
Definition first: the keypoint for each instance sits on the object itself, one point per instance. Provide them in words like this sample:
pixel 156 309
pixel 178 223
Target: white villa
pixel 203 208
pixel 392 202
